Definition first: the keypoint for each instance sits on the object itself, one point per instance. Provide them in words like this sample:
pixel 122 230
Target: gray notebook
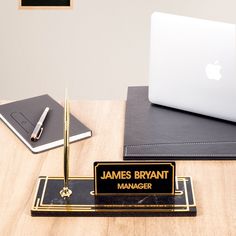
pixel 22 116
pixel 155 132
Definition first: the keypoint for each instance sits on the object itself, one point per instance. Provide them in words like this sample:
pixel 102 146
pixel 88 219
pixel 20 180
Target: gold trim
pixel 89 208
pixel 44 188
pixel 113 210
pixel 37 204
pixel 36 190
pixel 186 196
pixel 191 181
pixel 70 178
pixel 135 163
pixel 176 183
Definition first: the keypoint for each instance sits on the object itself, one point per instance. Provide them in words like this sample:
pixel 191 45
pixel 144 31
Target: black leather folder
pixel 155 132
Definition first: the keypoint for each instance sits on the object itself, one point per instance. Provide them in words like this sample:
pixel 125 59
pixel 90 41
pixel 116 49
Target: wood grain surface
pixel 214 183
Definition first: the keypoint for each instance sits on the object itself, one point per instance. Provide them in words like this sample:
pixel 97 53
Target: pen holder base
pixel 83 202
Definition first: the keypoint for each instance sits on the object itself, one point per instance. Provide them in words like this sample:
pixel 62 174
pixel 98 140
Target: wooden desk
pixel 214 184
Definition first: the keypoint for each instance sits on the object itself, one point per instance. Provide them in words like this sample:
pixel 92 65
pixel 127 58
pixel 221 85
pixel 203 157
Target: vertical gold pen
pixel 66 192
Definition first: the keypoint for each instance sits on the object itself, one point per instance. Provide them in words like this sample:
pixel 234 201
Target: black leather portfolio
pixel 22 116
pixel 155 132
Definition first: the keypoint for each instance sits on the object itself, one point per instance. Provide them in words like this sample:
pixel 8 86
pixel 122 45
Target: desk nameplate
pixel 134 178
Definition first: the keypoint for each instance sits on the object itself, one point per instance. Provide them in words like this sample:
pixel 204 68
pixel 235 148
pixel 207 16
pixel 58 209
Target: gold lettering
pixel 151 174
pixel 128 174
pixel 134 186
pixel 104 176
pixel 136 174
pixel 116 175
pixel 142 174
pixel 166 174
pixel 149 186
pixel 160 175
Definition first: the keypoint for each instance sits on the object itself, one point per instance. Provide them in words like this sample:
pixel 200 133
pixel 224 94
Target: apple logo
pixel 213 71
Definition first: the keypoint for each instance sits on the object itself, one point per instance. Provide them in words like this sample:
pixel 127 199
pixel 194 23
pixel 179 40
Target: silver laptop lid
pixel 192 65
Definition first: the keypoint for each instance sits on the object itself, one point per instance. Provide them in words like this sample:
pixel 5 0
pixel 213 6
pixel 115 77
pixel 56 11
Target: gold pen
pixel 66 192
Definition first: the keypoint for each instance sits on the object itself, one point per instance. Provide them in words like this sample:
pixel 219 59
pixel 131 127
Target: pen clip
pixel 39 134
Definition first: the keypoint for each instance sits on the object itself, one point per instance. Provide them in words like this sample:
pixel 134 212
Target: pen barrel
pixel 66 143
pixel 44 115
pixel 38 128
pixel 66 165
pixel 35 132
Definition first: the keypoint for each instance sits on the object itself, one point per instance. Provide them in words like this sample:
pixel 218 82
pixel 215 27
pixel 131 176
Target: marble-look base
pixel 83 202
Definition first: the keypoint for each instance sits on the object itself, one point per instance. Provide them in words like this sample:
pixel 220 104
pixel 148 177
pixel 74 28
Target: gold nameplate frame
pixel 134 178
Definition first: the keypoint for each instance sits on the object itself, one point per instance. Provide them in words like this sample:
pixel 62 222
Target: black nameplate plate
pixel 134 178
pixel 48 3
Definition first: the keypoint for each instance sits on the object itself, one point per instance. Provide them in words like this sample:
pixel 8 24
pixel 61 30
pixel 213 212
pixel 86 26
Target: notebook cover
pixel 22 116
pixel 155 132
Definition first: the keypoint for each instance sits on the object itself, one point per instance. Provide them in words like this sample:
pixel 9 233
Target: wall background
pixel 96 49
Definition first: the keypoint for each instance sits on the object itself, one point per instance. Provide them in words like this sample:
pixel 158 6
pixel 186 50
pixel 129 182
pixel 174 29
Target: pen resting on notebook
pixel 38 128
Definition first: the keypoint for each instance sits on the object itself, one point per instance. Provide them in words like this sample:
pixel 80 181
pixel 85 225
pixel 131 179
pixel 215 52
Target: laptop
pixel 192 65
